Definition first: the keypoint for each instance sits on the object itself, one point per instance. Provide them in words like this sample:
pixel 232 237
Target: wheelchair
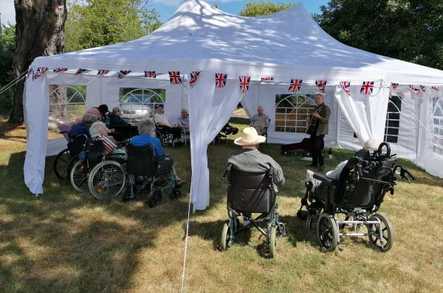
pixel 345 205
pixel 66 158
pixel 167 135
pixel 139 173
pixel 250 193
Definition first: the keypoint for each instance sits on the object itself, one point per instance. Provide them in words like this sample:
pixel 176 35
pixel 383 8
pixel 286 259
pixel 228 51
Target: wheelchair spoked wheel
pixel 79 176
pixel 272 241
pixel 310 221
pixel 327 232
pixel 62 163
pixel 225 239
pixel 381 236
pixel 107 180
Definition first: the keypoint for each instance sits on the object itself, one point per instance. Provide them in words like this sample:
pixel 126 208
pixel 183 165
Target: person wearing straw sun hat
pixel 250 159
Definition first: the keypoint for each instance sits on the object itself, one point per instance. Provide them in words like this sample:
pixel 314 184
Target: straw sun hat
pixel 249 136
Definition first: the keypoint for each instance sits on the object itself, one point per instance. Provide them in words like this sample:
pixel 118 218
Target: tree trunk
pixel 39 32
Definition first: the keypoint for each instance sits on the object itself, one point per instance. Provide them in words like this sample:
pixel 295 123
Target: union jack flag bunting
pixel 267 78
pixel 80 71
pixel 295 85
pixel 102 72
pixel 416 90
pixel 123 73
pixel 60 69
pixel 39 72
pixel 321 85
pixel 174 77
pixel 150 74
pixel 367 88
pixel 435 88
pixel 394 86
pixel 346 87
pixel 244 83
pixel 220 80
pixel 423 88
pixel 194 77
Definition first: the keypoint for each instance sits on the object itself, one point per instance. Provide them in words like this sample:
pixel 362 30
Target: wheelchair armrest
pixel 323 178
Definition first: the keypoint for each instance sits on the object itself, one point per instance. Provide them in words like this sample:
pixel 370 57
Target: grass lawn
pixel 68 242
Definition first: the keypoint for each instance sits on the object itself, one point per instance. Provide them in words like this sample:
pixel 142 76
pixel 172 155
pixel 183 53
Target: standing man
pixel 318 128
pixel 260 121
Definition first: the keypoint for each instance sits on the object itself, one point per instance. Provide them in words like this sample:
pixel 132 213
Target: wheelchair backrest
pixel 367 189
pixel 141 161
pixel 250 192
pixel 77 144
pixel 95 150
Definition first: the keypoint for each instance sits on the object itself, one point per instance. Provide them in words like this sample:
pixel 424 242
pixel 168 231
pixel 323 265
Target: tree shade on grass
pixel 66 242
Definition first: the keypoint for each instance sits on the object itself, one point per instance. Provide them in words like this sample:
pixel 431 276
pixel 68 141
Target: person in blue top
pixel 82 127
pixel 146 136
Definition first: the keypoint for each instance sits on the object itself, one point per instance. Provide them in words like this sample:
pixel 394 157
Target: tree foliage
pixel 261 8
pixel 94 23
pixel 410 30
pixel 7 46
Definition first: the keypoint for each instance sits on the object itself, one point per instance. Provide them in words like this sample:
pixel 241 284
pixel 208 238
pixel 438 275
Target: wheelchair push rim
pixel 272 241
pixel 381 235
pixel 107 180
pixel 225 239
pixel 79 176
pixel 327 232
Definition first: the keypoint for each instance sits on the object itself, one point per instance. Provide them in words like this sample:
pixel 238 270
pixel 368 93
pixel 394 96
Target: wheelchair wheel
pixel 310 220
pixel 327 232
pixel 61 165
pixel 381 236
pixel 107 180
pixel 79 176
pixel 225 239
pixel 272 241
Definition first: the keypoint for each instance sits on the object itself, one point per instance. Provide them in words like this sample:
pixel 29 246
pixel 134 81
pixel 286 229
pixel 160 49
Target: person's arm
pixel 324 116
pixel 279 176
pixel 159 151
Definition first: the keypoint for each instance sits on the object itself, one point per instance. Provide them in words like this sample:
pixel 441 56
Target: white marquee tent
pixel 272 51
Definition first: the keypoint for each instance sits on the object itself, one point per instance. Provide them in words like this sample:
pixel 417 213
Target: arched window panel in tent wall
pixel 67 103
pixel 139 103
pixel 293 112
pixel 437 118
pixel 392 128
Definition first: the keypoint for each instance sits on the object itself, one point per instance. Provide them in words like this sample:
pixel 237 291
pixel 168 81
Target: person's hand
pixel 316 115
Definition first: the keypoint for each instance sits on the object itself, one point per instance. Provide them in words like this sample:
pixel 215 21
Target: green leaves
pixel 98 23
pixel 405 29
pixel 260 8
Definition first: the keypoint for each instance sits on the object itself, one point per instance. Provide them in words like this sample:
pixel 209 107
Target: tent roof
pixel 286 45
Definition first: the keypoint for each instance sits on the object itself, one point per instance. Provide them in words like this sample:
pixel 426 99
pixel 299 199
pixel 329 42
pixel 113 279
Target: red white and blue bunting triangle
pixel 220 80
pixel 244 83
pixel 194 78
pixel 295 85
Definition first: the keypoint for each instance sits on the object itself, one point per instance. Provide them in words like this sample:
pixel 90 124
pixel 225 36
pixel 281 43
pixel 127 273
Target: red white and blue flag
pixel 295 85
pixel 150 74
pixel 394 86
pixel 102 72
pixel 244 83
pixel 346 87
pixel 194 78
pixel 60 69
pixel 321 85
pixel 123 73
pixel 220 80
pixel 39 72
pixel 267 78
pixel 415 89
pixel 80 71
pixel 174 77
pixel 367 88
pixel 435 88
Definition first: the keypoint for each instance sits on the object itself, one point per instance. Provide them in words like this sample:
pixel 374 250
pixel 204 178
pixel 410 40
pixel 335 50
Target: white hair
pixel 146 126
pixel 371 144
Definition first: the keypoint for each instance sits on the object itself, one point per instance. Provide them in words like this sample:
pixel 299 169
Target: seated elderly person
pixel 260 121
pixel 163 123
pixel 99 131
pixel 92 115
pixel 146 137
pixel 115 119
pixel 183 122
pixel 250 159
pixel 122 130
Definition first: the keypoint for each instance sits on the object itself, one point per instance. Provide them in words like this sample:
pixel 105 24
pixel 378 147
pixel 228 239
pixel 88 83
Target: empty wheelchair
pixel 140 173
pixel 347 204
pixel 250 193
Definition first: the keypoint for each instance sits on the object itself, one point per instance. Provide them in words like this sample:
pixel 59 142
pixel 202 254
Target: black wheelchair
pixel 250 193
pixel 169 135
pixel 139 173
pixel 66 158
pixel 345 205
